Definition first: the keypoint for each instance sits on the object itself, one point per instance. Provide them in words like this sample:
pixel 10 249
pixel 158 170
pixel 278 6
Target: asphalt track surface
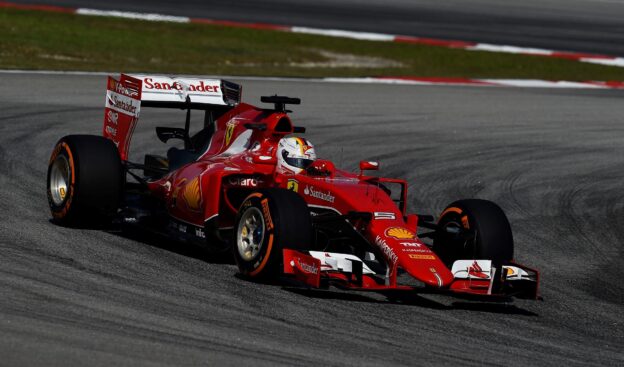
pixel 553 159
pixel 594 26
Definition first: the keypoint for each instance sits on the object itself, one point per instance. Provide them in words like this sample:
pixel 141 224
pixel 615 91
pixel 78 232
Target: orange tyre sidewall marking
pixel 265 260
pixel 67 205
pixel 465 222
pixel 451 209
pixel 254 195
pixel 266 257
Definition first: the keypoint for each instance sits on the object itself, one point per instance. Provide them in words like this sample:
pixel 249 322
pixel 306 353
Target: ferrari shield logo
pixel 229 131
pixel 293 185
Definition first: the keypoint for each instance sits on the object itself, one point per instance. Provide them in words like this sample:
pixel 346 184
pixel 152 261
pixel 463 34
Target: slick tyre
pixel 267 222
pixel 85 180
pixel 474 229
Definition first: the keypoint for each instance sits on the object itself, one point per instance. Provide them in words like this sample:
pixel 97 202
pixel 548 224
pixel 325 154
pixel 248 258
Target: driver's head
pixel 294 154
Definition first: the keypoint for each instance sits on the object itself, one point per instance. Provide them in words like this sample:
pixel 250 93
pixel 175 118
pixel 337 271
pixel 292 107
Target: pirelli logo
pixel 267 214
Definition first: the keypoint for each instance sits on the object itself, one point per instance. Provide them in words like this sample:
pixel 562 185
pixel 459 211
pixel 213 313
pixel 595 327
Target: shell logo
pixel 400 233
pixel 192 195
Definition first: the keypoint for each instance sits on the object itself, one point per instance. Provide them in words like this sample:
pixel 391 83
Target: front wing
pixel 476 278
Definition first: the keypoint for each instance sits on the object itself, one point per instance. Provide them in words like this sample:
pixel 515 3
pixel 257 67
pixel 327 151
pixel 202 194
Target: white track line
pixel 366 36
pixel 131 15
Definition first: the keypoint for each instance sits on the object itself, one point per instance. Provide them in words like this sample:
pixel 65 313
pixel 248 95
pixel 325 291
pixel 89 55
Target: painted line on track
pixel 381 37
pixel 416 81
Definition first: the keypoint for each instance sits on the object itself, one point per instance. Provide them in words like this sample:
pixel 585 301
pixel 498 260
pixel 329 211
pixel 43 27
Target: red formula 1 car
pixel 243 184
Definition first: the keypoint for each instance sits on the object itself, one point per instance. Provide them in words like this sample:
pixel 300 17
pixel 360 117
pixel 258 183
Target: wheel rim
pixel 250 234
pixel 59 179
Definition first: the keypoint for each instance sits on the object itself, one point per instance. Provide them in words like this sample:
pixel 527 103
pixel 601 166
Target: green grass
pixel 39 40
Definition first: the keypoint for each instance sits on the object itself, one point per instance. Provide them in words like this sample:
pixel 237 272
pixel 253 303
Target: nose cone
pixel 403 246
pixel 427 268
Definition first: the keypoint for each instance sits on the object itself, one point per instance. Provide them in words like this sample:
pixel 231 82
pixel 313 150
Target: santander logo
pixel 308 268
pixel 325 196
pixel 193 86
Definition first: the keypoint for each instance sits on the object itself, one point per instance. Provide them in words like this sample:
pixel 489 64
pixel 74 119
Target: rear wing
pixel 194 93
pixel 125 97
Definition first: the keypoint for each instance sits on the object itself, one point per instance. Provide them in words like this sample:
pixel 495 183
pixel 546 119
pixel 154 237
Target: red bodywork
pixel 205 195
pixel 198 192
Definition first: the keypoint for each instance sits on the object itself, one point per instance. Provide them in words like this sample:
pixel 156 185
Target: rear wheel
pixel 85 180
pixel 267 222
pixel 474 229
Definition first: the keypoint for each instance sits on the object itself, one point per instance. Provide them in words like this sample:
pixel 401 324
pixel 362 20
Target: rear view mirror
pixel 321 167
pixel 368 166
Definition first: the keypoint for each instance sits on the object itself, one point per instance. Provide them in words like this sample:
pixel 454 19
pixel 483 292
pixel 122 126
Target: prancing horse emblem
pixel 229 131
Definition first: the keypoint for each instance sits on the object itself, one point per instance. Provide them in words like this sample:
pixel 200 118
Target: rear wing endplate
pixel 121 113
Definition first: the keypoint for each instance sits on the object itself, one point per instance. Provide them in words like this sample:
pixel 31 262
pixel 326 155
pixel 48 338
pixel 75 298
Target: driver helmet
pixel 294 154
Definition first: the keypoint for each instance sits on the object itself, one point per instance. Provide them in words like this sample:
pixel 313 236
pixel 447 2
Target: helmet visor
pixel 299 162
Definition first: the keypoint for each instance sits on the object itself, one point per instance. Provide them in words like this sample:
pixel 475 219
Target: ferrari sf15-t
pixel 245 185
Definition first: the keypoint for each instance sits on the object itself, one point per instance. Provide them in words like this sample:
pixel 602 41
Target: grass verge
pixel 57 41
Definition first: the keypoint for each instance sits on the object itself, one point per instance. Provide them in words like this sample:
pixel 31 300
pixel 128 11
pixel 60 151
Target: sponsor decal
pixel 511 271
pixel 308 268
pixel 118 87
pixel 293 185
pixel 400 233
pixel 191 194
pixel 476 271
pixel 414 247
pixel 384 215
pixel 411 249
pixel 325 196
pixel 267 214
pixel 187 229
pixel 421 257
pixel 229 131
pixel 123 104
pixel 199 232
pixel 111 131
pixel 113 117
pixel 390 255
pixel 243 181
pixel 411 244
pixel 178 226
pixel 193 86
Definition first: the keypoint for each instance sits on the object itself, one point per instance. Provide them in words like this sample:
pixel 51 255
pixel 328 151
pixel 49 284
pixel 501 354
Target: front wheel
pixel 269 221
pixel 474 229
